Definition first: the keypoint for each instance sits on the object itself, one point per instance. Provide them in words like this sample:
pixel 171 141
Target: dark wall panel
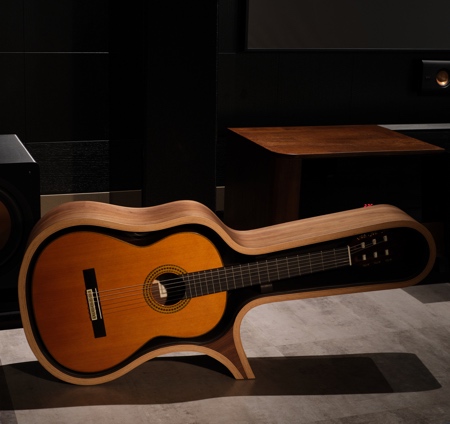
pixel 55 86
pixel 126 94
pixel 66 25
pixel 11 26
pixel 245 94
pixel 12 86
pixel 67 97
pixel 314 88
pixel 12 94
pixel 180 102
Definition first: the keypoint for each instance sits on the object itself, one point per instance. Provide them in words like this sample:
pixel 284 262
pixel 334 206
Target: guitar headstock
pixel 372 248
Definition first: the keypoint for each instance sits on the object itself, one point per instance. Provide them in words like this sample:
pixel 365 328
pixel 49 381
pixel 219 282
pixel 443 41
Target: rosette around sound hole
pixel 165 290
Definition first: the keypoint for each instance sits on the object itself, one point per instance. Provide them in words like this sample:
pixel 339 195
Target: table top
pixel 335 141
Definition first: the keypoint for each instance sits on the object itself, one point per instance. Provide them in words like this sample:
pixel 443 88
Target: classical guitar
pixel 103 288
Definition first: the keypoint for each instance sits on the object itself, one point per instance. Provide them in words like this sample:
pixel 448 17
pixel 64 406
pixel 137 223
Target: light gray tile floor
pixel 380 357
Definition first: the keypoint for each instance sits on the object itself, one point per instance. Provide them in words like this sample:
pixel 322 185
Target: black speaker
pixel 436 76
pixel 19 211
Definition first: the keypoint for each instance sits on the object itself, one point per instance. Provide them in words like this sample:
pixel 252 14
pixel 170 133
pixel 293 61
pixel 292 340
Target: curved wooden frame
pixel 228 349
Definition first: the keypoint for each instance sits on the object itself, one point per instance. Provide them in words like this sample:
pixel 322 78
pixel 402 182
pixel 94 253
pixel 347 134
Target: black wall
pixel 110 97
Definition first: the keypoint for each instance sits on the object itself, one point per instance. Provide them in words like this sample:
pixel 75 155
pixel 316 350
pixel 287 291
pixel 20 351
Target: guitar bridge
pixel 93 303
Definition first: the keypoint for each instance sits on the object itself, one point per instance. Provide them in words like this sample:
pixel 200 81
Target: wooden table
pixel 264 170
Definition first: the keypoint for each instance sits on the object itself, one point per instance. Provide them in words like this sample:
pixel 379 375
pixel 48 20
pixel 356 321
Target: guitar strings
pixel 177 285
pixel 273 263
pixel 114 298
pixel 212 278
pixel 181 281
pixel 168 282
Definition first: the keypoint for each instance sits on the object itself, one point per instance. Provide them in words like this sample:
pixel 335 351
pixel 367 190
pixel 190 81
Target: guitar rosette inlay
pixel 164 289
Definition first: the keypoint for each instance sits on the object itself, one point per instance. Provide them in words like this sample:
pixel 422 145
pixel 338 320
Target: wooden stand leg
pixel 228 351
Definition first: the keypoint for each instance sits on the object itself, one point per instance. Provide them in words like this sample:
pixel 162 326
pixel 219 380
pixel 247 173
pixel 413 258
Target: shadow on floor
pixel 189 378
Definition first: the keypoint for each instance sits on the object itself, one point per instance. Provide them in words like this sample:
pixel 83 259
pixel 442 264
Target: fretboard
pixel 216 280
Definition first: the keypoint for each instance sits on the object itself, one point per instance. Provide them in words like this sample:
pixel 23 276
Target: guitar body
pixel 132 314
pixel 97 292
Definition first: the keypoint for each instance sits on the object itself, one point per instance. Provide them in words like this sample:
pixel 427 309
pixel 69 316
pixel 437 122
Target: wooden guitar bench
pixel 104 288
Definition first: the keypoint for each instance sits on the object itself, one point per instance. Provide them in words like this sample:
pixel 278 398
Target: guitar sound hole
pixel 168 289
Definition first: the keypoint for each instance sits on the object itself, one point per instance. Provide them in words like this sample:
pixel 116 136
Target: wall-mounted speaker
pixel 19 211
pixel 436 76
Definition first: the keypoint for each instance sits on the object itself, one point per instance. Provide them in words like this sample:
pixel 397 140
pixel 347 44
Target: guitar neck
pixel 263 272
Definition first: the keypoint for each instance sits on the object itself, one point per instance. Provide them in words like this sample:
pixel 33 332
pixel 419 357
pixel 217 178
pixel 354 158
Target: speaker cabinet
pixel 19 211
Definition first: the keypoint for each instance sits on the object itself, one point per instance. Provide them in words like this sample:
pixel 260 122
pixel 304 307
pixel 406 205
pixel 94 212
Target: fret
pixel 227 284
pixel 298 265
pixel 258 280
pixel 190 286
pixel 226 280
pixel 278 270
pixel 263 274
pixel 226 273
pixel 199 288
pixel 304 265
pixel 219 284
pixel 193 280
pixel 215 277
pixel 267 271
pixel 202 278
pixel 282 268
pixel 218 281
pixel 247 277
pixel 271 270
pixel 330 261
pixel 207 282
pixel 242 277
pixel 253 273
pixel 193 284
pixel 224 285
pixel 287 267
pixel 324 261
pixel 257 270
pixel 204 283
pixel 187 286
pixel 234 279
pixel 213 281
